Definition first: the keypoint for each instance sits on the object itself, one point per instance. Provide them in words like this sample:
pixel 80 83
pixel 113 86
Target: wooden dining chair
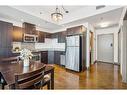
pixel 26 80
pixel 10 59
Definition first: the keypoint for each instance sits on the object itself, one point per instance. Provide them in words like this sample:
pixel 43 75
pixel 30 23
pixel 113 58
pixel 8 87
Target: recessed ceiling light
pixel 22 20
pixel 104 24
pixel 40 13
pixel 62 25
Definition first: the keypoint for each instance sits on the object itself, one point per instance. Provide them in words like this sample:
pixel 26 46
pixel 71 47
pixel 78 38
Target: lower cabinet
pixel 44 57
pixel 5 52
pixel 51 57
pixel 57 57
pixel 54 57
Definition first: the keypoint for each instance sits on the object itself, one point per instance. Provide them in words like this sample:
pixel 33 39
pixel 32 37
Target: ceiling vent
pixel 100 7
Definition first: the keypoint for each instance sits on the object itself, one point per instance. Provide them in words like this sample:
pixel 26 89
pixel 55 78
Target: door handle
pixel 111 44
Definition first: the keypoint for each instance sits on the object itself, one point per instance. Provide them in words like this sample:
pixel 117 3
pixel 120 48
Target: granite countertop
pixel 44 49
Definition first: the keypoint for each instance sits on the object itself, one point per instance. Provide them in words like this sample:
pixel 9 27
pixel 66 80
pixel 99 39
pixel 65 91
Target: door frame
pixel 113 47
pixel 119 47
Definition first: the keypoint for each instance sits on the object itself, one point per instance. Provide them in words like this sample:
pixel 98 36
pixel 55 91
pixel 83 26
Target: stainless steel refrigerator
pixel 73 53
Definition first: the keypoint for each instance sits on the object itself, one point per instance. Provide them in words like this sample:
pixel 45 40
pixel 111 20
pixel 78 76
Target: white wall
pixel 124 51
pixel 89 28
pixel 114 30
pixel 15 23
pixel 92 29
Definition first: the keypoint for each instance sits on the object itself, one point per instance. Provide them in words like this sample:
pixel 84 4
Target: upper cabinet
pixel 29 28
pixel 41 37
pixel 5 38
pixel 47 35
pixel 75 30
pixel 17 34
pixel 61 36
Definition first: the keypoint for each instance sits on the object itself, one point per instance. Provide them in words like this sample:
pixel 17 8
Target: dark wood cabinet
pixel 75 30
pixel 29 28
pixel 41 37
pixel 57 57
pixel 54 35
pixel 61 36
pixel 44 57
pixel 17 34
pixel 47 35
pixel 5 38
pixel 50 57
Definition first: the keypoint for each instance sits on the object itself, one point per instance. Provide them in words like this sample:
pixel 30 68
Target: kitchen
pixel 69 50
pixel 47 47
pixel 60 48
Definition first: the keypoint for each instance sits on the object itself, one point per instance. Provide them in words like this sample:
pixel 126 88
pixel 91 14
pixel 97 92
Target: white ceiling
pixel 111 17
pixel 76 15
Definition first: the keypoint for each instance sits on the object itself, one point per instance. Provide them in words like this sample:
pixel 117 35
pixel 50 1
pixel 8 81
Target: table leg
pixel 52 79
pixel 1 81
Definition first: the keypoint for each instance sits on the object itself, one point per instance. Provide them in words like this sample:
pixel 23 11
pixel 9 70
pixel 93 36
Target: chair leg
pixel 48 85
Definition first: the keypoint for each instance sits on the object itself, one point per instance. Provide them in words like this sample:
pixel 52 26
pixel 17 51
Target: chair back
pixel 25 80
pixel 10 59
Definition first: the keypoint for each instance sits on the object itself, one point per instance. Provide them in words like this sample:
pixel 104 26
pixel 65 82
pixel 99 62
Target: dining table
pixel 9 69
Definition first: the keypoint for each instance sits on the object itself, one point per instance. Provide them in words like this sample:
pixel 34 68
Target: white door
pixel 105 48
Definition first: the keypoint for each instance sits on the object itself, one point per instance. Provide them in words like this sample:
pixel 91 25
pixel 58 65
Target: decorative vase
pixel 25 69
pixel 26 62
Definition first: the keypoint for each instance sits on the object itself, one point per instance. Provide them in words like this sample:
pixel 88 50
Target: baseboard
pixel 115 63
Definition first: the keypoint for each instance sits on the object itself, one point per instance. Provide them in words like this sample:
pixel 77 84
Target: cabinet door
pixel 62 37
pixel 5 39
pixel 29 28
pixel 6 34
pixel 54 35
pixel 5 52
pixel 17 34
pixel 9 35
pixel 47 35
pixel 74 30
pixel 57 57
pixel 70 31
pixel 50 57
pixel 1 29
pixel 44 57
pixel 41 37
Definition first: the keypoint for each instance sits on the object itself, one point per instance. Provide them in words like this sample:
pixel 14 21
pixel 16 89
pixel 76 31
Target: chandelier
pixel 57 15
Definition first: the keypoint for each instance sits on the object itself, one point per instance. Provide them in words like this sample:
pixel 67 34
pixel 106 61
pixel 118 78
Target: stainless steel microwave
pixel 30 38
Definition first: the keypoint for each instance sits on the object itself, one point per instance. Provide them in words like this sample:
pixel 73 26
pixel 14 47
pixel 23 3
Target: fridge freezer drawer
pixel 72 58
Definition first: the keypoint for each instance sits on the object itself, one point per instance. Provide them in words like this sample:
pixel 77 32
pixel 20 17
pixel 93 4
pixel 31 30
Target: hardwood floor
pixel 100 76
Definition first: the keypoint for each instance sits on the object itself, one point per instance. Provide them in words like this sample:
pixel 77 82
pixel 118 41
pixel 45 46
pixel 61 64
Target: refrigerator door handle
pixel 65 46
